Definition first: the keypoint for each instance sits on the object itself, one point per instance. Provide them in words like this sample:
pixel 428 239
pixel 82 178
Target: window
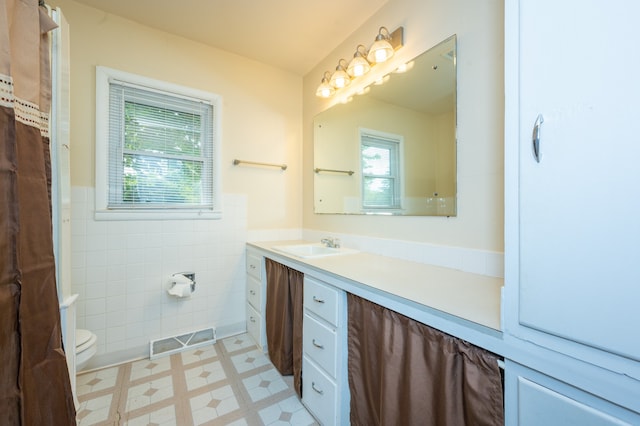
pixel 380 156
pixel 156 149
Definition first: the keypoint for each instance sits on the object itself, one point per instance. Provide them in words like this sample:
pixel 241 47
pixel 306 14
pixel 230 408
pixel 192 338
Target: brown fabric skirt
pixel 402 372
pixel 283 319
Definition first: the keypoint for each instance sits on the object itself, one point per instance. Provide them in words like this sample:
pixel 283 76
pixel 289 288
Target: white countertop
pixel 465 295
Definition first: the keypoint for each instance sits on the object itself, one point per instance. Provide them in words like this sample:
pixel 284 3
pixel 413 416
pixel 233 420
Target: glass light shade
pixel 380 51
pixel 340 79
pixel 325 89
pixel 358 66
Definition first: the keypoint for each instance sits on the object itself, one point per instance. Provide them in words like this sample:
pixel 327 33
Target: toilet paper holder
pixel 191 276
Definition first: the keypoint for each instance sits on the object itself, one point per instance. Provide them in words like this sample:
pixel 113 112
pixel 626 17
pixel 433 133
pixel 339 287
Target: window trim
pixel 391 138
pixel 102 212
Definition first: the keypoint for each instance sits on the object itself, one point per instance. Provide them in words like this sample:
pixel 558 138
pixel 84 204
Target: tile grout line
pixel 119 401
pixel 180 391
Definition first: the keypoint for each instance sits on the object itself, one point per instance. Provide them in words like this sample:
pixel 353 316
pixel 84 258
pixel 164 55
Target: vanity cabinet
pixel 256 299
pixel 571 214
pixel 325 390
pixel 541 400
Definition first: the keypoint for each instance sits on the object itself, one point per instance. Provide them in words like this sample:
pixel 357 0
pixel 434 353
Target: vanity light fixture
pixel 359 64
pixel 325 90
pixel 385 45
pixel 340 78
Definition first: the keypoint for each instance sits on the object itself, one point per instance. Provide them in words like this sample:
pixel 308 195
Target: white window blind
pixel 161 152
pixel 380 172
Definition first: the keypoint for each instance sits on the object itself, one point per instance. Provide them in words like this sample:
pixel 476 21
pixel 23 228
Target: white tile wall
pixel 121 270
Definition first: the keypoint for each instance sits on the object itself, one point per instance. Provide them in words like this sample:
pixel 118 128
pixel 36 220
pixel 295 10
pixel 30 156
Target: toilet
pixel 86 347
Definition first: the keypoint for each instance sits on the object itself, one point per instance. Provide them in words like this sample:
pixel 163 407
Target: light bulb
pixel 339 82
pixel 340 78
pixel 358 65
pixel 325 92
pixel 381 55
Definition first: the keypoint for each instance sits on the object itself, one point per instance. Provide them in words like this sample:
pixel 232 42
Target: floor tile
pixel 199 354
pixel 264 385
pixel 145 367
pixel 214 404
pixel 249 361
pixel 95 410
pixel 163 417
pixel 204 375
pixel 147 393
pixel 230 382
pixel 236 343
pixel 97 381
pixel 287 412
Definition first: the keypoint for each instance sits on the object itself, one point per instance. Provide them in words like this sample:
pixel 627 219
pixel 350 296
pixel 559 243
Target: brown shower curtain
pixel 402 372
pixel 283 319
pixel 34 381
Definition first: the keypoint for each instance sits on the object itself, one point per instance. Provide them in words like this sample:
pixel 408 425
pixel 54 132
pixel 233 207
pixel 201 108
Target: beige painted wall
pixel 267 122
pixel 260 122
pixel 479 27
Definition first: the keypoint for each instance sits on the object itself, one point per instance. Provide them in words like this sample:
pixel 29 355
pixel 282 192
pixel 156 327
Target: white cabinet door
pixel 541 400
pixel 579 206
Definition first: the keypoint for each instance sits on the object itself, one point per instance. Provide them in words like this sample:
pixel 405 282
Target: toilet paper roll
pixel 181 286
pixel 180 279
pixel 180 290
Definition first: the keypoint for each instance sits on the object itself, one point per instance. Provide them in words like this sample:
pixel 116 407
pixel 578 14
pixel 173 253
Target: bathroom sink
pixel 308 251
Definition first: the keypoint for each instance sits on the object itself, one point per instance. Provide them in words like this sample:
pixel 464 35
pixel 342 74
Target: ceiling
pixel 294 35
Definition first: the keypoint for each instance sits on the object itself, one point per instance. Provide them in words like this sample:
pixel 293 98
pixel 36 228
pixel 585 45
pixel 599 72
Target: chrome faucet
pixel 331 242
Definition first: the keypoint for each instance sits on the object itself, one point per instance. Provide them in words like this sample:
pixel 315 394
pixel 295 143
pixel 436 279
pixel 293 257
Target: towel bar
pixel 281 166
pixel 349 172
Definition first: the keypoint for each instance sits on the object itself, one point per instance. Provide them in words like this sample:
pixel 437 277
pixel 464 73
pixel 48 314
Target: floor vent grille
pixel 175 344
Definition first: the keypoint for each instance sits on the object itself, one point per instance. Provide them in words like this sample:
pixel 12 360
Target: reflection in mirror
pixel 392 150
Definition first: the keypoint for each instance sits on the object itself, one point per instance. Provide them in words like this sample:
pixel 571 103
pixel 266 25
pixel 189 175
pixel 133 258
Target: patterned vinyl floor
pixel 229 383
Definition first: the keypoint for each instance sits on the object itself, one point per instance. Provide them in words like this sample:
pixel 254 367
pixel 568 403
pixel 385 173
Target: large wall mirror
pixel 392 150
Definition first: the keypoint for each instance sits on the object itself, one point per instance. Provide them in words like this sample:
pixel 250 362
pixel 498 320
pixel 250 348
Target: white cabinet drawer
pixel 321 299
pixel 254 263
pixel 253 324
pixel 320 344
pixel 319 393
pixel 254 293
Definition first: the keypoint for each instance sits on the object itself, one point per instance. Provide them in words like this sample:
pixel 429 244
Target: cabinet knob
pixel 252 319
pixel 315 299
pixel 317 345
pixel 313 386
pixel 252 292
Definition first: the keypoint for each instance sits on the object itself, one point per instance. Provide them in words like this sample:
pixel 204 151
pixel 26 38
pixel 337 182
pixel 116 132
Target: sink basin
pixel 308 251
